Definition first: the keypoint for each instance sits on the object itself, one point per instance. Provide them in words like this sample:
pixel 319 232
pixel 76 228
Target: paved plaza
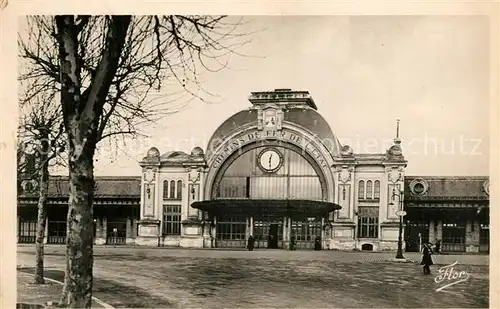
pixel 180 278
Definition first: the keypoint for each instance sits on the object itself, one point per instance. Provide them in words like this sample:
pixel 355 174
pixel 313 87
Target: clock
pixel 270 160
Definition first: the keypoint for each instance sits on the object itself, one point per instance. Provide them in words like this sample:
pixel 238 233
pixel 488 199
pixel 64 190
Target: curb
pixel 97 300
pixel 403 260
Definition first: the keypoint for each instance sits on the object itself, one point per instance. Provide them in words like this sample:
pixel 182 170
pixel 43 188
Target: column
pixel 432 231
pixel 19 227
pixel 439 231
pixel 98 231
pixel 285 228
pixel 104 234
pixel 134 227
pixel 323 238
pixel 214 232
pixel 472 236
pixel 251 225
pixel 45 239
pixel 247 228
pixel 128 231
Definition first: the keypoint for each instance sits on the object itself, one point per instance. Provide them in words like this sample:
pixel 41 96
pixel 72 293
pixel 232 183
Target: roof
pixel 448 187
pixel 106 186
pixel 180 158
pixel 307 118
pixel 265 206
pixel 282 96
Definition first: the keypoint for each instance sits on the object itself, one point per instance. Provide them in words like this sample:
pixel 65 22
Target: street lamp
pixel 401 213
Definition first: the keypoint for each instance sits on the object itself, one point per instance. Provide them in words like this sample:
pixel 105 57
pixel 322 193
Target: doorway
pixel 268 232
pixel 272 242
pixel 416 233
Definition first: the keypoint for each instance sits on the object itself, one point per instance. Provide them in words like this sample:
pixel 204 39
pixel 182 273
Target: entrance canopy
pixel 256 207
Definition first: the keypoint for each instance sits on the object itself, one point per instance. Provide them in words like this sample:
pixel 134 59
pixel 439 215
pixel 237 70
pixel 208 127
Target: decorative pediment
pixel 345 174
pixel 270 118
pixel 150 175
pixel 194 175
pixel 395 175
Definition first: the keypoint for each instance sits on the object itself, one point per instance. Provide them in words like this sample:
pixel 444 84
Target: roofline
pixel 449 177
pixel 63 177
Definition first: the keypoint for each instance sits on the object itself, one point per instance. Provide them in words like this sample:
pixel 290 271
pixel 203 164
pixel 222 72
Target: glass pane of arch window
pixel 361 189
pixel 376 189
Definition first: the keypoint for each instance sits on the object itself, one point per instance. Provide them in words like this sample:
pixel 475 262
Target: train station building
pixel 275 171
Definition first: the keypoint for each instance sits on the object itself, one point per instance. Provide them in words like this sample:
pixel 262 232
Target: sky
pixel 363 72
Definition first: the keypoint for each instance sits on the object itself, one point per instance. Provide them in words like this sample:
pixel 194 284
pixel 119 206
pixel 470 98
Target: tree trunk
pixel 42 207
pixel 77 291
pixel 81 120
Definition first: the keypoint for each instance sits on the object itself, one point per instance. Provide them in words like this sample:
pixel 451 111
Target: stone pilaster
pixel 344 175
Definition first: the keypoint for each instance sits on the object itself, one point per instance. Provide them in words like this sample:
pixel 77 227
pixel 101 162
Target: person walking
pixel 427 258
pixel 251 243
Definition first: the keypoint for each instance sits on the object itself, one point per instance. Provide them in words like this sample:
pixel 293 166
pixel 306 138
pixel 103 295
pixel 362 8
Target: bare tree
pixel 41 130
pixel 108 69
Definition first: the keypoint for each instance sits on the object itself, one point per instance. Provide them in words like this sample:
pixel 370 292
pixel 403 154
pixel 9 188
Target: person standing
pixel 317 243
pixel 293 244
pixel 438 246
pixel 427 258
pixel 251 242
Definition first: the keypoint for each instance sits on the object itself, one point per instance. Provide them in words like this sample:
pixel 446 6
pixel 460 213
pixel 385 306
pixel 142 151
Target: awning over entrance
pixel 253 207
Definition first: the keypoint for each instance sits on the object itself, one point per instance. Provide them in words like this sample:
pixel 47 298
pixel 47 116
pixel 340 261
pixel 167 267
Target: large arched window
pixel 376 190
pixel 172 189
pixel 165 189
pixel 361 190
pixel 369 189
pixel 249 176
pixel 179 189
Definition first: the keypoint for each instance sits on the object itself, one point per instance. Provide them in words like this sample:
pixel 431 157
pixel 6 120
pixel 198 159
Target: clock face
pixel 270 160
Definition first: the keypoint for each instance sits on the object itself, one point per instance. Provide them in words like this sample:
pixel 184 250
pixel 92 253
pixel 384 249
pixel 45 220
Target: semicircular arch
pixel 214 180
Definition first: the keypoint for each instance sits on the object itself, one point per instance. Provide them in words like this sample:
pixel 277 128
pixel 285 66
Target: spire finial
pixel 397 140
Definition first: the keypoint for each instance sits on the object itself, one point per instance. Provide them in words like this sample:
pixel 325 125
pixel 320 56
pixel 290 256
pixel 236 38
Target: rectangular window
pixel 231 228
pixel 368 222
pixel 171 219
pixel 27 231
pixel 57 232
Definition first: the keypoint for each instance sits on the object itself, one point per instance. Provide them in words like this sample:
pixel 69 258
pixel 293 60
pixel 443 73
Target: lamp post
pixel 401 213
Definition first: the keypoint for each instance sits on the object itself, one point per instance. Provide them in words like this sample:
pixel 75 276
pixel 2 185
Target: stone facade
pixel 156 208
pixel 343 172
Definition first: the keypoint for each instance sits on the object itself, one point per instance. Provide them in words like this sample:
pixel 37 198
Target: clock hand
pixel 270 157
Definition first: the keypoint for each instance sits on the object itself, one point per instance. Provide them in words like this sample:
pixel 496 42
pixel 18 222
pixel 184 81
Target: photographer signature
pixel 450 276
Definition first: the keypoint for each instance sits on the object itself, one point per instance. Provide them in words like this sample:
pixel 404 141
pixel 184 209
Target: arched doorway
pixel 272 192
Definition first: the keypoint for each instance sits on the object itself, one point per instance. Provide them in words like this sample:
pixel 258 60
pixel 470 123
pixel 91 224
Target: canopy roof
pixel 308 208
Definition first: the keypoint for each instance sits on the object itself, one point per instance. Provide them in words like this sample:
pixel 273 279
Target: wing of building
pixel 277 172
